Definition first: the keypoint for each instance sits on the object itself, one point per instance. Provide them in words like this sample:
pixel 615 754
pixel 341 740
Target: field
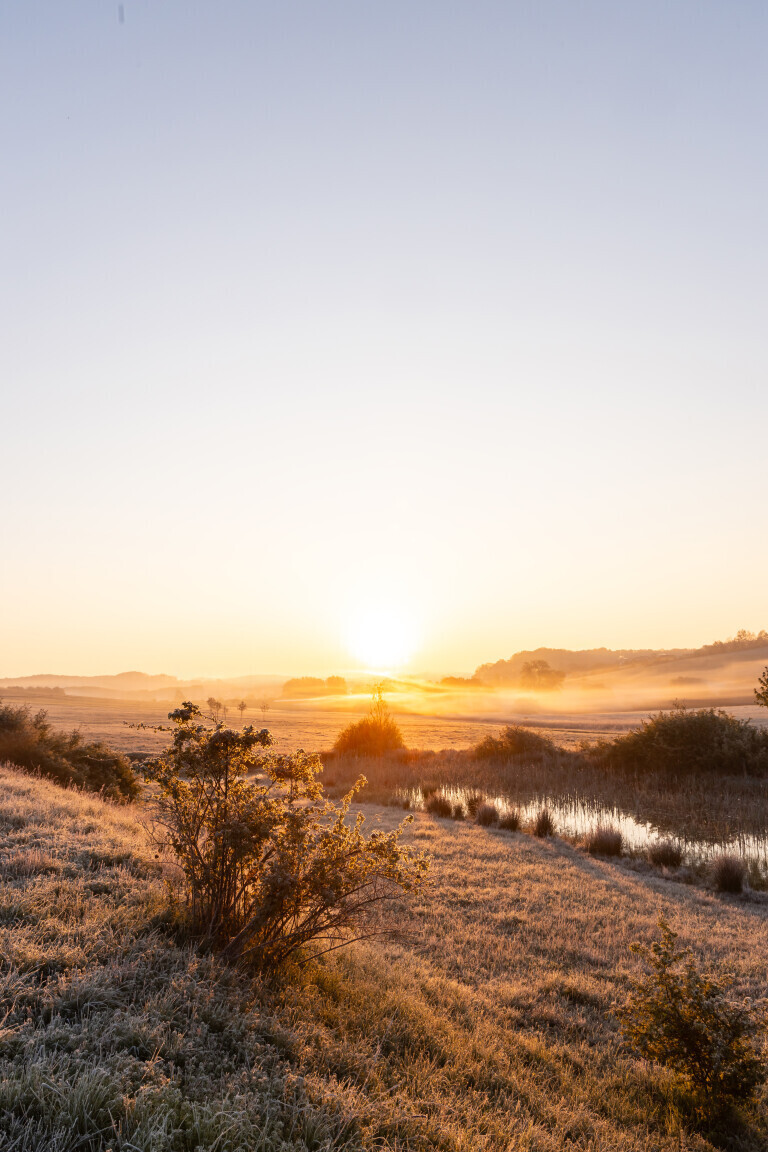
pixel 314 729
pixel 489 1025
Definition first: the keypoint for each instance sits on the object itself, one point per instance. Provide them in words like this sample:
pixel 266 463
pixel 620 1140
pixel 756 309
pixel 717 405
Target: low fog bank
pixel 546 682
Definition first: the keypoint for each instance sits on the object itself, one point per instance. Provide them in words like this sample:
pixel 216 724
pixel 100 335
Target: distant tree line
pixel 738 643
pixel 308 686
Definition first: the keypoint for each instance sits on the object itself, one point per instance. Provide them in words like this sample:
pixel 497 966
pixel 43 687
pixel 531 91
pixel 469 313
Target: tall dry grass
pixel 712 807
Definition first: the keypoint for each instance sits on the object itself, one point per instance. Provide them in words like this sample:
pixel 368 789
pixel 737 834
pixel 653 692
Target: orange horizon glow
pixel 381 638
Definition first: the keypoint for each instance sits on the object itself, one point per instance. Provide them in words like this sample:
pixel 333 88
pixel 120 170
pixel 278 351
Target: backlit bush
pixel 686 1021
pixel 374 735
pixel 30 742
pixel 682 742
pixel 515 741
pixel 271 868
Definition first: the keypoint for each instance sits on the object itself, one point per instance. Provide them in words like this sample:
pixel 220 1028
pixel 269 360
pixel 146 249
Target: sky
pixel 352 333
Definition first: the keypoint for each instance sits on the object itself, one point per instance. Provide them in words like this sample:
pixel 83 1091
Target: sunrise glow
pixel 381 638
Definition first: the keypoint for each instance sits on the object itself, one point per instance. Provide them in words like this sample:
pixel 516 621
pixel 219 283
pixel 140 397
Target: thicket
pixel 29 742
pixel 374 735
pixel 516 741
pixel 686 1021
pixel 271 867
pixel 682 742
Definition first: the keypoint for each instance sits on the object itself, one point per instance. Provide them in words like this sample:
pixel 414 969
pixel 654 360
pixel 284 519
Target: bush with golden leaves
pixel 272 868
pixel 688 1022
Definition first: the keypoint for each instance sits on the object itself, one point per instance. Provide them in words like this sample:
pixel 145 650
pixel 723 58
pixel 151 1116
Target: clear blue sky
pixel 453 314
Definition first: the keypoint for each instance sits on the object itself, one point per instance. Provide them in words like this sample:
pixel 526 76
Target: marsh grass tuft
pixel 665 854
pixel 604 841
pixel 487 815
pixel 544 824
pixel 473 802
pixel 728 874
pixel 509 820
pixel 439 806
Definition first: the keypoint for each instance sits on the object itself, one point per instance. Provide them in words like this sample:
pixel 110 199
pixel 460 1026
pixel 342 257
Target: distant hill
pixel 506 672
pixel 678 663
pixel 130 681
pixel 142 685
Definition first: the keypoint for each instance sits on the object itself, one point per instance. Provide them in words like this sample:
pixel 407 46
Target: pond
pixel 576 816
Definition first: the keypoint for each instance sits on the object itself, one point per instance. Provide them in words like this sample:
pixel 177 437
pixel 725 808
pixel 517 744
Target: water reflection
pixel 576 816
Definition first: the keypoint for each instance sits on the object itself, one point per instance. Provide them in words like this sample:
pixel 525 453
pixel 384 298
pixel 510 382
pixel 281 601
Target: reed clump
pixel 728 874
pixel 605 841
pixel 544 824
pixel 665 854
pixel 509 820
pixel 439 806
pixel 487 815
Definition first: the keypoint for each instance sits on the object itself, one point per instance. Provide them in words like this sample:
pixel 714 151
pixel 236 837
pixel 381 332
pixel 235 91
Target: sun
pixel 381 639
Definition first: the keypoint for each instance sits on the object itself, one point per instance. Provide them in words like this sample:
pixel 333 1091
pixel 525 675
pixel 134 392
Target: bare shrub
pixel 510 820
pixel 544 824
pixel 487 814
pixel 439 806
pixel 271 867
pixel 685 1020
pixel 458 812
pixel 374 735
pixel 728 874
pixel 665 854
pixel 605 841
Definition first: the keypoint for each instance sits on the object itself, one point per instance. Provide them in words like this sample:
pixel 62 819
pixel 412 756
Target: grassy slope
pixel 490 1027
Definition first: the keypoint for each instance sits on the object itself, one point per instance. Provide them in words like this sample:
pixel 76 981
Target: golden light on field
pixel 382 639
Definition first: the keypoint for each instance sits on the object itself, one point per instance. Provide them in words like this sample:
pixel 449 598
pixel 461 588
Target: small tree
pixel 270 866
pixel 538 675
pixel 242 707
pixel 264 705
pixel 761 693
pixel 684 1020
pixel 215 707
